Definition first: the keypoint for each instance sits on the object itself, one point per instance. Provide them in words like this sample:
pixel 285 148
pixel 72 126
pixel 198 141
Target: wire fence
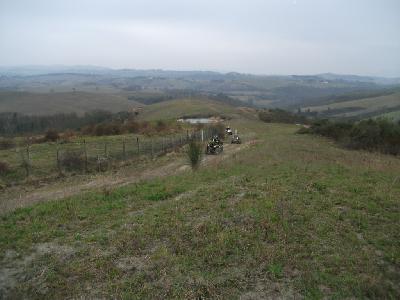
pixel 87 156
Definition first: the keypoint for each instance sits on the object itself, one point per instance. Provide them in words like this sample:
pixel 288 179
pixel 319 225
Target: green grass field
pixel 63 102
pixel 288 216
pixel 43 157
pixel 361 106
pixel 175 109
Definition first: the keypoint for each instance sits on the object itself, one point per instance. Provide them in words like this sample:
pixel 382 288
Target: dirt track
pixel 120 178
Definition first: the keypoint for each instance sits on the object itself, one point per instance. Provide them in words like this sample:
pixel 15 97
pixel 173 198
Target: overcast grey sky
pixel 252 36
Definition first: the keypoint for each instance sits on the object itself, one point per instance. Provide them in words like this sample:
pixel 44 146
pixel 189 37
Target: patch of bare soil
pixel 132 263
pixel 267 289
pixel 14 268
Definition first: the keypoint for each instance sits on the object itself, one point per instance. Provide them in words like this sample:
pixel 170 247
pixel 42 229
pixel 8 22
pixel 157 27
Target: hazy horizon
pixel 82 67
pixel 256 37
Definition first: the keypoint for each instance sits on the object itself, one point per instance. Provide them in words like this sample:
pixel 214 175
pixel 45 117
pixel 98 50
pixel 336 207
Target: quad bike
pixel 236 140
pixel 215 146
pixel 228 130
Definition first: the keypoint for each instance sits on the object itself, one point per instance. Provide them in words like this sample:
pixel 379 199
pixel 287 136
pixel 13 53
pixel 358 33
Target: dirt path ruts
pixel 47 193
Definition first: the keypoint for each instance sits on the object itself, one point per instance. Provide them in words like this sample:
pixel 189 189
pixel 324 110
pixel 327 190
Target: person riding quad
pixel 215 146
pixel 216 140
pixel 236 139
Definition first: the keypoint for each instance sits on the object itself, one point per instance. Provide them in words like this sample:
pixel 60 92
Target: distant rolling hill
pixel 54 89
pixel 178 108
pixel 290 91
pixel 51 103
pixel 359 108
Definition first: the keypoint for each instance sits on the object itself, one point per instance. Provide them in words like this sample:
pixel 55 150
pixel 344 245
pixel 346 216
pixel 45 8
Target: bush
pixel 161 125
pixel 118 127
pixel 132 127
pixel 6 143
pixel 281 116
pixel 304 130
pixel 218 129
pixel 335 130
pixel 51 135
pixel 194 154
pixel 72 161
pixel 67 136
pixel 373 135
pixel 88 130
pixel 4 168
pixel 379 135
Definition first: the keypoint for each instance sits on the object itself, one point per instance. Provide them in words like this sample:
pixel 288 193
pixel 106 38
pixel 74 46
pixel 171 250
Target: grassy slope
pixel 367 105
pixel 177 108
pixel 50 103
pixel 291 215
pixel 43 156
pixel 394 115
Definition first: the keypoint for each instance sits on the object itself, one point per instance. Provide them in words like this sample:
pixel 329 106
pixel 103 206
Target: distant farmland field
pixel 51 103
pixel 181 107
pixel 359 107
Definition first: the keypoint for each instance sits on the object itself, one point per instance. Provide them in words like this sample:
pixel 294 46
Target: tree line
pixel 19 124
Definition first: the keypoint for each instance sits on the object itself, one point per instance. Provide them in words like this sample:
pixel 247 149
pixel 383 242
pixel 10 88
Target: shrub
pixel 51 135
pixel 379 135
pixel 335 130
pixel 304 130
pixel 218 129
pixel 112 128
pixel 68 134
pixel 194 154
pixel 132 127
pixel 72 161
pixel 281 116
pixel 374 135
pixel 99 130
pixel 6 143
pixel 161 125
pixel 88 130
pixel 4 168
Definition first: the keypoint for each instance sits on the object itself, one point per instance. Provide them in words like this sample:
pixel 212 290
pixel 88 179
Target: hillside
pixel 51 103
pixel 178 108
pixel 290 91
pixel 280 216
pixel 365 107
pixel 394 115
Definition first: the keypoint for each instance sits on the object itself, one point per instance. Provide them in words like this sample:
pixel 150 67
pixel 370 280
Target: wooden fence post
pixel 152 148
pixel 138 145
pixel 58 161
pixel 86 157
pixel 123 149
pixel 106 156
pixel 28 160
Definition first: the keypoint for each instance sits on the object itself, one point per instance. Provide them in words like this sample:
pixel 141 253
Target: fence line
pixel 91 156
